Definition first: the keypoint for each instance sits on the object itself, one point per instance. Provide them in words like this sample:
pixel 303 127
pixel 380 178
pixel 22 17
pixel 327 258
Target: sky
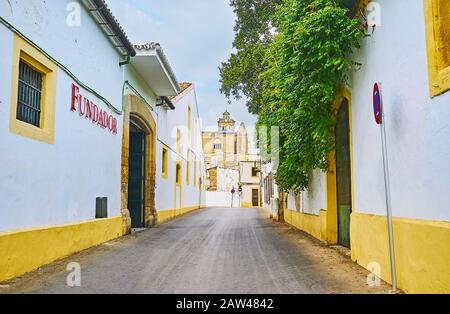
pixel 196 36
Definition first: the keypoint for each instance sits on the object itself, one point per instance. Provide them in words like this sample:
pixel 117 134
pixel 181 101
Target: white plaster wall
pixel 41 184
pixel 418 128
pixel 227 179
pixel 291 202
pixel 314 199
pixel 246 196
pixel 165 187
pixel 168 122
pixel 84 49
pixel 246 173
pixel 268 204
pixel 221 199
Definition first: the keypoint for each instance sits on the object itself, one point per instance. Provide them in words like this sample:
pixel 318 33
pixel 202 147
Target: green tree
pixel 303 69
pixel 255 26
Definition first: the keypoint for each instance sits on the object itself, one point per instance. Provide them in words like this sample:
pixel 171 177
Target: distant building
pixel 229 164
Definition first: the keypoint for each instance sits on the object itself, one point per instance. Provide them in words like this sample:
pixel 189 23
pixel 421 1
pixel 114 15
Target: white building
pixel 84 115
pixel 230 166
pixel 181 168
pixel 409 54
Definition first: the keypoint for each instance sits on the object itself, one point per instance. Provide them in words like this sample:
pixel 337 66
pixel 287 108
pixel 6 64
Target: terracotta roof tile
pixel 183 86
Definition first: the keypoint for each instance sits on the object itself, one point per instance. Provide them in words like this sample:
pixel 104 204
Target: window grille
pixel 30 95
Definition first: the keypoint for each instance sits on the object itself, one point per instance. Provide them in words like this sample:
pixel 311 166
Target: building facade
pixel 181 169
pixel 229 165
pixel 81 155
pixel 346 205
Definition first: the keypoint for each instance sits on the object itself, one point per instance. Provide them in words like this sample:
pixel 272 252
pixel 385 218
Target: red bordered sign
pixel 377 107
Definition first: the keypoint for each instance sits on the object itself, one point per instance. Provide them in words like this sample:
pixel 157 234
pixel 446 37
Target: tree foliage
pixel 241 74
pixel 291 58
pixel 304 67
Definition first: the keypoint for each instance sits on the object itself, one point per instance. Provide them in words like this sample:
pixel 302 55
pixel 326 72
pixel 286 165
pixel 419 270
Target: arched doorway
pixel 137 174
pixel 343 174
pixel 178 186
pixel 138 165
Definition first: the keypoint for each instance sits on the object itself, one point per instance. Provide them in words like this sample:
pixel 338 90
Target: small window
pixel 217 146
pixel 178 174
pixel 33 98
pixel 195 172
pixel 165 162
pixel 30 95
pixel 189 119
pixel 188 167
pixel 254 172
pixel 178 141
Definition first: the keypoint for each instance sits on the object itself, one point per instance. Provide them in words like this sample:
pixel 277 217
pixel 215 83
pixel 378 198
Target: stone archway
pixel 137 111
pixel 343 173
pixel 332 213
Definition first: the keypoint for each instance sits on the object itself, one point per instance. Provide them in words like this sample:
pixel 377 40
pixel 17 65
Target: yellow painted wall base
pixel 27 250
pixel 311 224
pixel 169 214
pixel 422 251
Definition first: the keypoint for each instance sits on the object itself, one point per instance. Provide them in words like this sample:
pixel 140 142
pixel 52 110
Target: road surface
pixel 209 251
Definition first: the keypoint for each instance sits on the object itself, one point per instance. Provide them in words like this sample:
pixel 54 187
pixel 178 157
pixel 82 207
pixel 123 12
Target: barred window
pixel 30 95
pixel 178 174
pixel 165 162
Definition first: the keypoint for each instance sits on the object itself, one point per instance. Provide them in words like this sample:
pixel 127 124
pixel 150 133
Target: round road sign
pixel 377 108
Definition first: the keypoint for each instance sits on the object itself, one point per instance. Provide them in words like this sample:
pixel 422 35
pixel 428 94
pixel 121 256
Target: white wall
pixel 84 49
pixel 227 179
pixel 247 193
pixel 418 128
pixel 221 199
pixel 246 172
pixel 291 202
pixel 44 185
pixel 314 199
pixel 271 205
pixel 168 122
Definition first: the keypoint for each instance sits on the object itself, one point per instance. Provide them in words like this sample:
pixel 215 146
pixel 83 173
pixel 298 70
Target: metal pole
pixel 232 200
pixel 388 201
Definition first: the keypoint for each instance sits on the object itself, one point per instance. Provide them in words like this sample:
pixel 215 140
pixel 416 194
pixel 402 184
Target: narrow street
pixel 208 251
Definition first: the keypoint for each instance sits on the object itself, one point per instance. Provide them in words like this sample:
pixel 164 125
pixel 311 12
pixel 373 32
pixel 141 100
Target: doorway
pixel 178 186
pixel 343 174
pixel 138 165
pixel 255 197
pixel 137 175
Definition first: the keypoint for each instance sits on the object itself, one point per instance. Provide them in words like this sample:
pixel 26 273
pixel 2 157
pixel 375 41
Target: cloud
pixel 196 35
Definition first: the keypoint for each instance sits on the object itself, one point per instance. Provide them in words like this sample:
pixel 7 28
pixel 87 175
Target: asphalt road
pixel 210 251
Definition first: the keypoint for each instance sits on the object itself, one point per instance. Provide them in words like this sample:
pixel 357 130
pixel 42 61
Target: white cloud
pixel 196 35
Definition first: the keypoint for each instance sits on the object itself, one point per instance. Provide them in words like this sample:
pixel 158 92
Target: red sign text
pixel 91 112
